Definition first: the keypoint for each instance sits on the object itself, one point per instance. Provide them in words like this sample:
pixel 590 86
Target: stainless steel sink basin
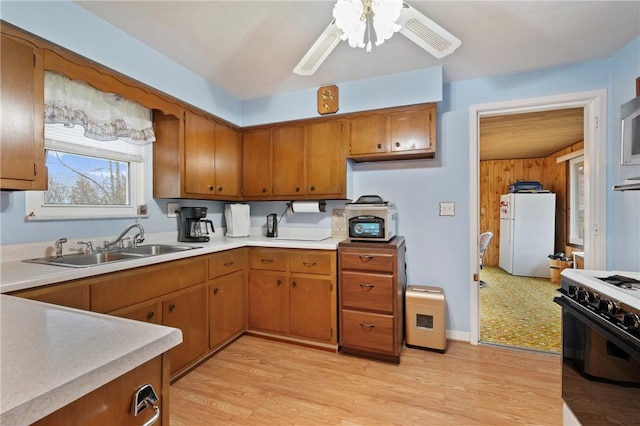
pixel 156 249
pixel 102 257
pixel 85 260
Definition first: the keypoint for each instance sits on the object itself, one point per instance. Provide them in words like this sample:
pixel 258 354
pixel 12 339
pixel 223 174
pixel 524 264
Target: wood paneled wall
pixel 497 175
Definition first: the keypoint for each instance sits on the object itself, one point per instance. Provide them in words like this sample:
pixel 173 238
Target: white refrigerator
pixel 527 233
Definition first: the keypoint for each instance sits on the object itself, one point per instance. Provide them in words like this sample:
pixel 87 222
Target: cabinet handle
pixel 150 315
pixel 297 189
pixel 228 263
pixel 172 307
pixel 397 144
pixel 210 187
pixel 367 327
pixel 365 258
pixel 293 284
pixel 309 264
pixel 264 189
pixel 366 286
pixel 278 282
pixel 216 290
pixel 219 189
pixel 379 146
pixel 312 188
pixel 266 260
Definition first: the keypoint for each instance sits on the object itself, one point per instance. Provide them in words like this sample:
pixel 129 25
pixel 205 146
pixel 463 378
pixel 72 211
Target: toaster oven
pixel 371 219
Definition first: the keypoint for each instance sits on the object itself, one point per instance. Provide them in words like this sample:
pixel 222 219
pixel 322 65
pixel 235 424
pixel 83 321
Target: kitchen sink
pixel 155 249
pixel 100 258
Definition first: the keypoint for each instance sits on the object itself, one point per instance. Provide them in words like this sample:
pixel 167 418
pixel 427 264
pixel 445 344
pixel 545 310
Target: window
pixel 89 178
pixel 96 144
pixel 576 200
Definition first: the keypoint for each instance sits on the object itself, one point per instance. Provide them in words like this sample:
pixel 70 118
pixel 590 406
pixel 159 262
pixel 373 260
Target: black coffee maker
pixel 192 225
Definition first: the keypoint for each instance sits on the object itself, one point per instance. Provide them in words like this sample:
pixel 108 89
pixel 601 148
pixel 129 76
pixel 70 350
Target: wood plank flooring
pixel 257 381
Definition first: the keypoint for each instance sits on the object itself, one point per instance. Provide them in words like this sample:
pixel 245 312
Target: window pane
pixel 84 181
pixel 576 197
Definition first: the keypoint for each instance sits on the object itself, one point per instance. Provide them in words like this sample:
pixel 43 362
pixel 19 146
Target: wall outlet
pixel 171 209
pixel 447 208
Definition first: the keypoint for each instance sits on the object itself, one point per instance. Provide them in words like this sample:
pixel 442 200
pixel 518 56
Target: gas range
pixel 611 295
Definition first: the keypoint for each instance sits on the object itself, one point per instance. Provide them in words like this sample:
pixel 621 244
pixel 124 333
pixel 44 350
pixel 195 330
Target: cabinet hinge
pixel 476 277
pixel 430 118
pixel 596 122
pixel 35 60
pixel 331 332
pixel 35 169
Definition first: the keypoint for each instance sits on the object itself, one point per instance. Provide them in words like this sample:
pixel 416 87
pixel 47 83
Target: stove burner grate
pixel 621 281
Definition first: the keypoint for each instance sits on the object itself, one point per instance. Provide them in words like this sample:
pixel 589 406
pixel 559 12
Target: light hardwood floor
pixel 256 381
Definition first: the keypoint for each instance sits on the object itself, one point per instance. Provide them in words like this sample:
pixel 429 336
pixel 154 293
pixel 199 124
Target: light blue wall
pixel 437 247
pixel 623 208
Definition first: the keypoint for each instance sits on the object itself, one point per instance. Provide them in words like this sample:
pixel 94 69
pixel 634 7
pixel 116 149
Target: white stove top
pixel 590 278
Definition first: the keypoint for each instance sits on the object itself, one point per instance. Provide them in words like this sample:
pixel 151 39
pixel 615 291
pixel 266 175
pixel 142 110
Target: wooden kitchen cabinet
pixel 211 158
pixel 188 312
pixel 110 404
pixel 372 285
pixel 289 157
pixel 326 163
pixel 257 171
pixel 73 295
pixel 393 133
pixel 227 296
pixel 22 163
pixel 292 293
pixel 151 313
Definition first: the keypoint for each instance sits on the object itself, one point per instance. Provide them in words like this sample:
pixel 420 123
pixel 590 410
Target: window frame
pixel 574 202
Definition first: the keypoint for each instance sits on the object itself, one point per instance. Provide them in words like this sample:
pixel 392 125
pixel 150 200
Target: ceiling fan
pixel 352 18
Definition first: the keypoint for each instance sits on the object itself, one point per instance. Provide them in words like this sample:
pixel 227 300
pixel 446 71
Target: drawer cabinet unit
pixel 372 282
pixel 292 293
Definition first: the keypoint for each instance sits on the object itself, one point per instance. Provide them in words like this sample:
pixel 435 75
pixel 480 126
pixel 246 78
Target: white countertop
pixel 17 275
pixel 590 278
pixel 52 355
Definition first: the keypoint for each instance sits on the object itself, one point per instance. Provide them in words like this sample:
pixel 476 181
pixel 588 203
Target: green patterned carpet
pixel 519 311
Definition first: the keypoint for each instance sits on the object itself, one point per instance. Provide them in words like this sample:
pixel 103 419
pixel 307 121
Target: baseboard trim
pixel 461 336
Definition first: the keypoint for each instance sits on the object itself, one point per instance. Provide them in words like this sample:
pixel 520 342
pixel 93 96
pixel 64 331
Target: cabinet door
pixel 227 161
pixel 310 308
pixel 256 163
pixel 226 308
pixel 288 161
pixel 70 295
pixel 199 164
pixel 411 130
pixel 22 164
pixel 150 313
pixel 187 312
pixel 268 302
pixel 368 135
pixel 326 173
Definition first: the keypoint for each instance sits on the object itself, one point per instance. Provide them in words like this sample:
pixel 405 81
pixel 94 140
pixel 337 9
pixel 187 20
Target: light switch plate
pixel 171 209
pixel 447 208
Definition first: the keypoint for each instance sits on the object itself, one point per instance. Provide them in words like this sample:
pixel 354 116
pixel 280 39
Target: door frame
pixel 595 124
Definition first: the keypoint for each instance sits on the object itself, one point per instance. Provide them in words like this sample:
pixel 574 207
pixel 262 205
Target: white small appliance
pixel 527 233
pixel 238 220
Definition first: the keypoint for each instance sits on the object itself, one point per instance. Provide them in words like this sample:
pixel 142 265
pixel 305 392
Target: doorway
pixel 594 105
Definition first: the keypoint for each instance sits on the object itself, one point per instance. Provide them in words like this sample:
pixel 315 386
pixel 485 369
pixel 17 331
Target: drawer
pixel 269 259
pixel 311 262
pixel 367 261
pixel 367 331
pixel 367 291
pixel 225 262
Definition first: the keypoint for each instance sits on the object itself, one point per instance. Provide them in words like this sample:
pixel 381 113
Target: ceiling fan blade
pixel 426 33
pixel 323 46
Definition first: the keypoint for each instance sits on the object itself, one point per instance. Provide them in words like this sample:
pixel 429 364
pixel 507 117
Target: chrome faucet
pixel 136 240
pixel 88 246
pixel 58 244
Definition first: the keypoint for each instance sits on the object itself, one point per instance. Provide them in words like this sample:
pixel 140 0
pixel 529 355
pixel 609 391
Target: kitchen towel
pixel 308 206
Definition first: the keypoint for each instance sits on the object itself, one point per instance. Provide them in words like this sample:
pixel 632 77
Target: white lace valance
pixel 104 116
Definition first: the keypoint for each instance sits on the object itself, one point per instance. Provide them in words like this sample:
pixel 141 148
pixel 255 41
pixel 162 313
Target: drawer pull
pixel 366 286
pixel 150 315
pixel 172 307
pixel 266 260
pixel 229 263
pixel 365 257
pixel 294 284
pixel 367 327
pixel 309 264
pixel 278 282
pixel 216 290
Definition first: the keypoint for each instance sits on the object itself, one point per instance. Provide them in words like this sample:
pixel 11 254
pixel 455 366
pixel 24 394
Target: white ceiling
pixel 249 48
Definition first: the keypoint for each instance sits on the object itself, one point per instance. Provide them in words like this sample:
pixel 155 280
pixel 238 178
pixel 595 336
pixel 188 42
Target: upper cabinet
pixel 299 161
pixel 22 104
pixel 393 134
pixel 197 157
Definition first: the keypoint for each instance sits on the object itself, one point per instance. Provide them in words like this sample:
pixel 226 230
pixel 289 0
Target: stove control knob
pixel 572 291
pixel 607 306
pixel 593 297
pixel 583 295
pixel 631 320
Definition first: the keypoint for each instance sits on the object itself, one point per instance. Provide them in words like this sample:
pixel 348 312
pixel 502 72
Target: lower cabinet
pixel 72 295
pixel 292 293
pixel 110 404
pixel 227 312
pixel 188 312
